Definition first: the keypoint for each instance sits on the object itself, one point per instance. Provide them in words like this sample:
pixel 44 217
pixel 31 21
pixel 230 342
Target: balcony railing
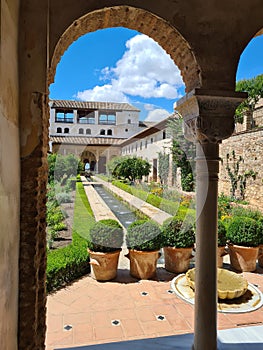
pixel 64 120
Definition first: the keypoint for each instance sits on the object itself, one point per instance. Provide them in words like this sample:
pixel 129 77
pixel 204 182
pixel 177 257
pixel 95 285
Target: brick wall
pixel 249 145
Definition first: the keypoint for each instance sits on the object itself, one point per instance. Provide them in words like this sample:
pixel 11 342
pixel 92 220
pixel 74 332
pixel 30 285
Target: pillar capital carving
pixel 208 114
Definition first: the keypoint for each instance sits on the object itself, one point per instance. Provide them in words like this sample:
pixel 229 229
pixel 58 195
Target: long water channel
pixel 121 210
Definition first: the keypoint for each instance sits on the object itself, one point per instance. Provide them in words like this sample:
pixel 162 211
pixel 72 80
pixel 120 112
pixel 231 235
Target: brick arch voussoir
pixel 142 21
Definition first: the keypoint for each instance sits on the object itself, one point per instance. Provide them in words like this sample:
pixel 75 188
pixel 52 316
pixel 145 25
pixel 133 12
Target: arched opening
pixel 109 132
pixel 88 131
pixel 144 22
pixel 81 131
pixel 102 132
pixel 59 130
pixel 66 131
pixel 245 146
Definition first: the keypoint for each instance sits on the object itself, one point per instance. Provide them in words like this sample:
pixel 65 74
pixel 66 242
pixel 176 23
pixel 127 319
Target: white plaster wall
pixel 121 130
pixel 9 176
pixel 155 144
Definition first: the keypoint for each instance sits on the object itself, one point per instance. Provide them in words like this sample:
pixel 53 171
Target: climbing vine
pixel 237 178
pixel 183 152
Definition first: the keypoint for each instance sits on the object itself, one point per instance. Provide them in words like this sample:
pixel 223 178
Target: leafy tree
pixel 114 162
pixel 163 167
pixel 183 152
pixel 254 88
pixel 63 167
pixel 132 168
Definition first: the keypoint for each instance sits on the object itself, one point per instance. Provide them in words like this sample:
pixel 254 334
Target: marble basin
pixel 230 285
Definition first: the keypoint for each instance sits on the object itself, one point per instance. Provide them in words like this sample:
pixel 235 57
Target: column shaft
pixel 207 168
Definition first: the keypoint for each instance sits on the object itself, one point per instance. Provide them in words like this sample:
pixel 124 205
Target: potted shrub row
pixel 104 247
pixel 244 236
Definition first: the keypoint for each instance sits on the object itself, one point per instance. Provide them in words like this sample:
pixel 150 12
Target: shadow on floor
pixel 245 338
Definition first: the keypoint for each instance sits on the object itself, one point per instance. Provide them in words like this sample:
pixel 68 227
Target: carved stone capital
pixel 209 115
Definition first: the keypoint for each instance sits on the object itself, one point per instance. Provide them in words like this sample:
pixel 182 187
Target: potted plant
pixel 178 239
pixel 243 236
pixel 104 246
pixel 143 240
pixel 221 240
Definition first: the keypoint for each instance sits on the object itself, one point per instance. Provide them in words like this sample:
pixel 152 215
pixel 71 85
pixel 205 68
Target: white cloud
pixel 145 70
pixel 157 115
pixel 104 93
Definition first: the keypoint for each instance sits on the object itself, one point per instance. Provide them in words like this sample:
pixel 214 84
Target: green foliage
pixel 221 229
pixel 144 235
pixel 254 88
pixel 163 167
pixel 67 264
pixel 236 176
pixel 131 168
pixel 106 236
pixel 243 231
pixel 166 205
pixel 260 230
pixel 183 153
pixel 223 205
pixel 178 233
pixel 241 211
pixel 63 167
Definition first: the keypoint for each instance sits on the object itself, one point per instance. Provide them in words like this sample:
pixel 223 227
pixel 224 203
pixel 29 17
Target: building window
pixel 107 118
pixel 109 132
pixel 81 131
pixel 136 146
pixel 129 121
pixel 86 117
pixel 88 132
pixel 126 130
pixel 66 131
pixel 141 145
pixel 59 130
pixel 102 132
pixel 146 143
pixel 64 116
pixel 164 134
pixel 152 140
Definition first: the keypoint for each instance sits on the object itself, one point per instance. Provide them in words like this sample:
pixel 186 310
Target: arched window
pixel 88 132
pixel 109 132
pixel 81 131
pixel 59 130
pixel 66 131
pixel 129 121
pixel 102 132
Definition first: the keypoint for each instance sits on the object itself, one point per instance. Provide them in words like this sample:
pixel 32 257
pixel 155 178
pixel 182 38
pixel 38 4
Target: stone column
pixel 208 119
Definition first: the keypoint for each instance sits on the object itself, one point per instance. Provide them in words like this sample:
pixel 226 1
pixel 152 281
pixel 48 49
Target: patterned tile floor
pixel 90 312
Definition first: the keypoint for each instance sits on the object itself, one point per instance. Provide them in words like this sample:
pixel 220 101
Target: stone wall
pixel 9 175
pixel 249 145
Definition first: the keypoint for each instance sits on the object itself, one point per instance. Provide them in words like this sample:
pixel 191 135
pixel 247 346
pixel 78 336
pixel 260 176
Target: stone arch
pixel 137 19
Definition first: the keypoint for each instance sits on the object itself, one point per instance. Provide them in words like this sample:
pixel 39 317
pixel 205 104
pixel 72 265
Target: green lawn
pixel 66 264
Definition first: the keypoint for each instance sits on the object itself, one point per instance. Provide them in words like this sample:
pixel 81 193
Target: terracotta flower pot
pixel 143 263
pixel 243 258
pixel 260 255
pixel 221 252
pixel 104 265
pixel 177 260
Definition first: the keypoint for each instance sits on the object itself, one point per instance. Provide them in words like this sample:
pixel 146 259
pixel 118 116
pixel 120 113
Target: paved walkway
pixel 89 312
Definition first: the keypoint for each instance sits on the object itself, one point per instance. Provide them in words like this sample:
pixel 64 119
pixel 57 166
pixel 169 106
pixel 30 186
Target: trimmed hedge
pixel 144 235
pixel 178 233
pixel 68 263
pixel 166 205
pixel 106 236
pixel 243 231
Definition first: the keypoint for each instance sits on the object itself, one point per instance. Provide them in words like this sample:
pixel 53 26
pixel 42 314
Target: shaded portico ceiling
pixel 203 38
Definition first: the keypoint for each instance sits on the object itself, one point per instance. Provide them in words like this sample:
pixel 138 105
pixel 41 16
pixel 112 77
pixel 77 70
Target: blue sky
pixel 123 65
